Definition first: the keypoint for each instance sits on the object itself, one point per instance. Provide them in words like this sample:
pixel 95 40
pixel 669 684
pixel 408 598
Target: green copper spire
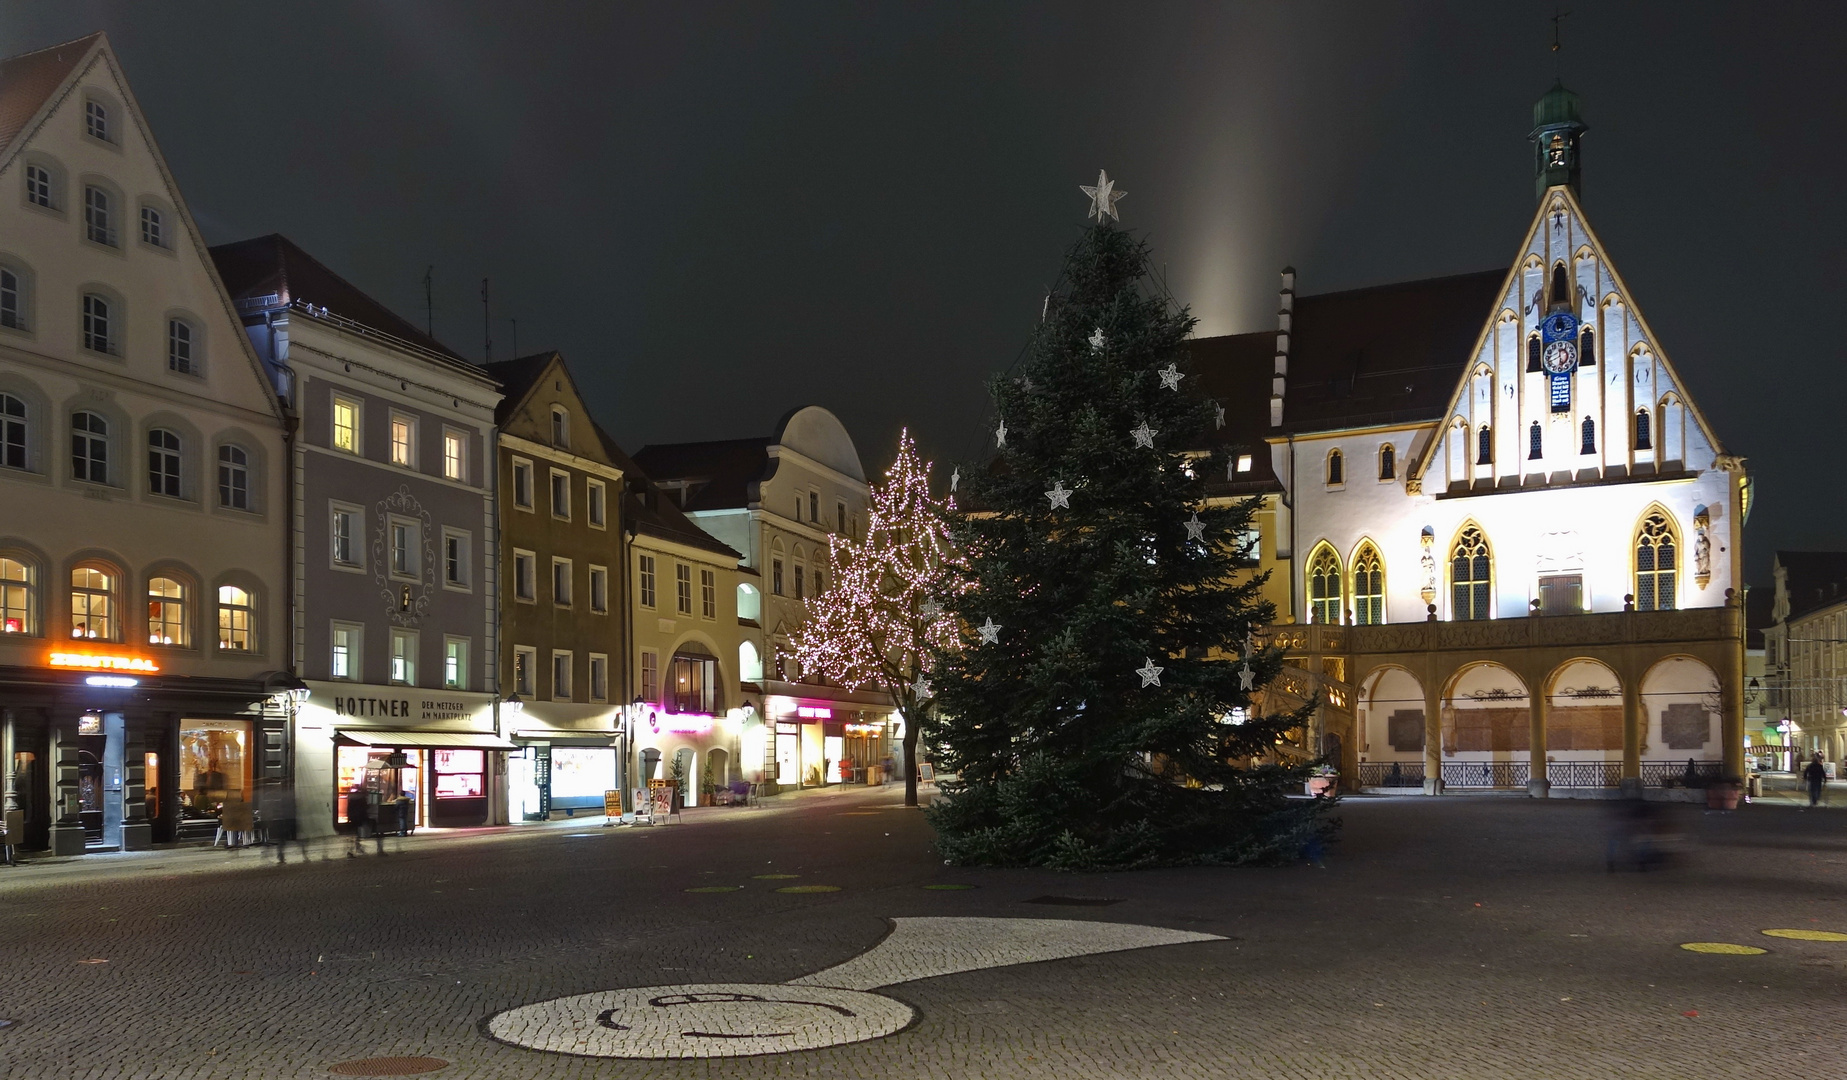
pixel 1557 128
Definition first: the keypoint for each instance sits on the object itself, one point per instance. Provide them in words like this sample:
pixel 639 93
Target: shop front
pixel 565 758
pixel 108 753
pixel 422 758
pixel 820 741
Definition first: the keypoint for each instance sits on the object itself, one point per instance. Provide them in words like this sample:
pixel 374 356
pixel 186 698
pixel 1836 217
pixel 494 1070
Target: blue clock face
pixel 1562 326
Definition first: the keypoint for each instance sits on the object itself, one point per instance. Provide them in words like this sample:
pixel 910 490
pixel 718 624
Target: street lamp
pixel 513 703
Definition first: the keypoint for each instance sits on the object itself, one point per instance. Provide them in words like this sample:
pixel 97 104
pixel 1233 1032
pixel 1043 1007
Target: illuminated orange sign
pixel 93 662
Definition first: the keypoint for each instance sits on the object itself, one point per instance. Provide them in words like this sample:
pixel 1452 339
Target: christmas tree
pixel 880 622
pixel 1097 711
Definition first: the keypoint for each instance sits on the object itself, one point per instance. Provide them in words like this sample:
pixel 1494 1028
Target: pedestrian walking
pixel 1816 775
pixel 359 816
pixel 279 814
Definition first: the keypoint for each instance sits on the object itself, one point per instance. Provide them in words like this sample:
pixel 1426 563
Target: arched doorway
pixel 1487 729
pixel 1681 710
pixel 1391 728
pixel 718 767
pixel 686 771
pixel 1584 726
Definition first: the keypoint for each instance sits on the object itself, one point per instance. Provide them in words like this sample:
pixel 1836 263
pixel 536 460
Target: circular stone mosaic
pixel 702 1020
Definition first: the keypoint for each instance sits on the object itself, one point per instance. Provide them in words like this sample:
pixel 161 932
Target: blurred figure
pixel 279 814
pixel 359 815
pixel 1816 775
pixel 1638 837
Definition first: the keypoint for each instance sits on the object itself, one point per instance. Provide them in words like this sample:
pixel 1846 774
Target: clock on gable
pixel 1559 331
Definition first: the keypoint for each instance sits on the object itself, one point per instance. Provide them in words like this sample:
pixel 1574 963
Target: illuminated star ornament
pixel 1097 339
pixel 990 632
pixel 1170 377
pixel 1000 434
pixel 1151 674
pixel 1219 414
pixel 930 610
pixel 921 688
pixel 1061 498
pixel 1246 676
pixel 1103 197
pixel 955 477
pixel 1195 528
pixel 1144 435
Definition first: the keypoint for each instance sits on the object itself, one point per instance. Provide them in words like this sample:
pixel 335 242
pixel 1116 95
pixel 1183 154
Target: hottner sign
pixel 406 709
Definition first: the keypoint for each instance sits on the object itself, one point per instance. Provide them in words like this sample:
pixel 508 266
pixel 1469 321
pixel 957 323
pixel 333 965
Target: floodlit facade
pixel 1805 654
pixel 1514 538
pixel 142 576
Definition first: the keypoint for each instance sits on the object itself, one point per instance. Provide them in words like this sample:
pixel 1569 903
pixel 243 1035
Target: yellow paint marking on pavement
pixel 1807 935
pixel 1725 948
pixel 809 888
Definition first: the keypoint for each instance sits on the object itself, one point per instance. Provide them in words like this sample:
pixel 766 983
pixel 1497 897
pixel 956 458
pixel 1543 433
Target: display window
pixel 215 766
pixel 460 774
pixel 582 772
pixel 369 766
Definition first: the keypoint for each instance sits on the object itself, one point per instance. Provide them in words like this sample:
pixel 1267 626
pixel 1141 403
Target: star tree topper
pixel 1103 197
pixel 1150 673
pixel 990 632
pixel 1061 498
pixel 1170 377
pixel 1144 435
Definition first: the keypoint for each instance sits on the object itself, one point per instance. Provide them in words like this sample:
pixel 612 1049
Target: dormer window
pixel 96 120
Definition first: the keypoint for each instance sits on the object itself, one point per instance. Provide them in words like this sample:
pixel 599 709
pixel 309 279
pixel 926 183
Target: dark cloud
pixel 719 211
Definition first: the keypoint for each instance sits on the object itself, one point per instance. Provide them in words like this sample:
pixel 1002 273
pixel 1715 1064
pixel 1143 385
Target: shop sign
pixel 408 709
pixel 865 729
pixel 100 662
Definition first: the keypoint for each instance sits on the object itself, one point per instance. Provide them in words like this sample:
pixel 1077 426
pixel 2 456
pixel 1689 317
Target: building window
pixel 90 447
pixel 1656 565
pixel 96 325
pixel 594 500
pixel 1588 430
pixel 814 507
pixel 1587 348
pixel 693 684
pixel 404 656
pixel 1368 587
pixel 798 506
pixel 1336 468
pixel 1324 592
pixel 455 663
pixel 233 477
pixel 237 621
pixel 1641 430
pixel 599 589
pixel 561 427
pixel 346 651
pixel 801 573
pixel 525 576
pixel 403 441
pixel 96 120
pixel 406 539
pixel 840 517
pixel 38 186
pixel 93 604
pixel 1388 462
pixel 97 223
pixel 346 526
pixel 646 589
pixel 455 456
pixel 599 677
pixel 152 233
pixel 164 463
pixel 650 676
pixel 346 425
pixel 683 588
pixel 1470 573
pixel 167 613
pixel 561 675
pixel 776 576
pixel 1244 463
pixel 525 663
pixel 18 597
pixel 561 582
pixel 708 593
pixel 1484 446
pixel 1535 442
pixel 1561 594
pixel 1535 353
pixel 522 484
pixel 179 347
pixel 12 300
pixel 820 581
pixel 455 559
pixel 561 495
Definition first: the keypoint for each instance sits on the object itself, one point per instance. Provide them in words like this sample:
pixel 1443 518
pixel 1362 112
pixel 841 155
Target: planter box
pixel 1321 785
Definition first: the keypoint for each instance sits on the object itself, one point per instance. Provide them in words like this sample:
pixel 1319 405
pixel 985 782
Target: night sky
pixel 722 211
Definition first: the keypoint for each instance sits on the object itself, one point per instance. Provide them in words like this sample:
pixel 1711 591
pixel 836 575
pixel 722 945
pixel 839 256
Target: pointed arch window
pixel 1561 287
pixel 1535 442
pixel 1336 469
pixel 1588 430
pixel 1388 462
pixel 1368 587
pixel 1657 562
pixel 1534 353
pixel 1642 440
pixel 1324 592
pixel 1484 446
pixel 1587 348
pixel 1471 570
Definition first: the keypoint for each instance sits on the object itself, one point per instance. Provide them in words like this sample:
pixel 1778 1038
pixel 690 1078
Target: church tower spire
pixel 1557 129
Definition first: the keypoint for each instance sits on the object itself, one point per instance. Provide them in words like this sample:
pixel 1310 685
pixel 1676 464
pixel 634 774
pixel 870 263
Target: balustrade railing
pixel 1675 773
pixel 1585 774
pixel 1392 774
pixel 1486 774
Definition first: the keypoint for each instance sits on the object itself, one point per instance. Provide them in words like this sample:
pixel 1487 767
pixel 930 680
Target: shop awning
pixel 436 740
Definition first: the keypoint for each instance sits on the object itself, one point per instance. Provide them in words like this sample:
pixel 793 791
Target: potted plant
pixel 1323 782
pixel 1723 793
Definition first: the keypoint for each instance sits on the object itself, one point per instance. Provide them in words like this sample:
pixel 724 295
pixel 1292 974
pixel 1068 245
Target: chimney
pixel 1285 312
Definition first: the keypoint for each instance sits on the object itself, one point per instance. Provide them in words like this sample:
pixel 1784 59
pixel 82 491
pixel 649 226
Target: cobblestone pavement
pixel 1455 937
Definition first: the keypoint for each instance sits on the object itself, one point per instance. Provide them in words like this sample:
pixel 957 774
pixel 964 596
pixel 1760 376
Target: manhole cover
pixel 1076 901
pixel 409 1065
